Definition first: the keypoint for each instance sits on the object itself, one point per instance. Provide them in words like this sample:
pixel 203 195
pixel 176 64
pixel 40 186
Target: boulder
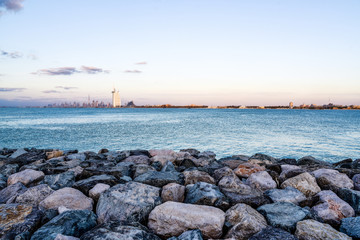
pixel 289 171
pixel 350 226
pixel 172 219
pixel 68 197
pixel 173 192
pixel 168 167
pixel 132 201
pixel 141 169
pixel 189 235
pixel 163 159
pixel 119 230
pixel 352 197
pixel 246 169
pixel 273 234
pixel 310 160
pixel 169 152
pixel 203 193
pixel 261 180
pixel 284 215
pixel 304 182
pixel 9 169
pixel 195 176
pixel 331 209
pixel 138 159
pixel 17 219
pixel 34 195
pixel 238 192
pixel 27 158
pixel 288 194
pixel 160 179
pixel 11 192
pixel 356 180
pixel 86 184
pixel 69 223
pixel 263 157
pixel 329 179
pixel 222 172
pixel 193 152
pixel 26 177
pixel 97 190
pixel 234 161
pixel 63 237
pixel 311 229
pixel 244 222
pixel 18 153
pixel 57 181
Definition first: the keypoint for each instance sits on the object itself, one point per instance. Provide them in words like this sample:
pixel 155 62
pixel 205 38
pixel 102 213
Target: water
pixel 330 135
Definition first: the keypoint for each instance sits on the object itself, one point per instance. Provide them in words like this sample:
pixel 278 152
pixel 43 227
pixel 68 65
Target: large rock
pixel 238 192
pixel 139 159
pixel 172 219
pixel 195 176
pixel 69 223
pixel 356 180
pixel 173 192
pixel 34 195
pixel 54 154
pixel 189 235
pixel 3 181
pixel 67 197
pixel 26 177
pixel 289 171
pixel 331 209
pixel 273 234
pixel 246 169
pixel 119 230
pixel 18 153
pixel 203 193
pixel 9 169
pixel 289 194
pixel 11 192
pixel 160 179
pixel 57 181
pixel 141 169
pixel 283 214
pixel 97 190
pixel 132 201
pixel 311 229
pixel 329 179
pixel 261 180
pixel 304 182
pixel 351 227
pixel 86 184
pixel 222 172
pixel 352 197
pixel 310 160
pixel 17 219
pixel 244 222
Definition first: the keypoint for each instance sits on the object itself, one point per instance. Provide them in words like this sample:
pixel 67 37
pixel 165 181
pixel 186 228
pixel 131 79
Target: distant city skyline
pixel 206 52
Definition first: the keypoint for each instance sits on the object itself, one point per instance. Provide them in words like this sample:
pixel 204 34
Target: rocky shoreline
pixel 162 194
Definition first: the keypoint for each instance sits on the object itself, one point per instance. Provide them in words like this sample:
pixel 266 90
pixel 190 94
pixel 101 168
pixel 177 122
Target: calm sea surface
pixel 330 135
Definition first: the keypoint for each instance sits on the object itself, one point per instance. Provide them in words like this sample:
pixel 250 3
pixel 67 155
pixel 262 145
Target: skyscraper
pixel 116 101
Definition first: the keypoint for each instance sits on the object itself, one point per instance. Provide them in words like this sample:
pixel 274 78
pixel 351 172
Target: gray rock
pixel 76 156
pixel 289 194
pixel 203 193
pixel 189 235
pixel 141 169
pixel 86 184
pixel 9 169
pixel 18 153
pixel 138 159
pixel 283 214
pixel 261 181
pixel 309 160
pixel 352 197
pixel 234 161
pixel 173 192
pixel 3 181
pixel 160 179
pixel 192 151
pixel 222 172
pixel 11 192
pixel 311 229
pixel 34 195
pixel 331 209
pixel 356 180
pixel 57 181
pixel 26 177
pixel 119 230
pixel 330 179
pixel 273 234
pixel 350 226
pixel 70 223
pixel 132 201
pixel 168 167
pixel 64 237
pixel 195 176
pixel 289 171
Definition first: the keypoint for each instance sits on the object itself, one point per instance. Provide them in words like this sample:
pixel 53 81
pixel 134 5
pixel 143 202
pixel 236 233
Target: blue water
pixel 330 135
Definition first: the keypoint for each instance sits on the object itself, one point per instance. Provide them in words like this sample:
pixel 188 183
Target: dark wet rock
pixel 352 197
pixel 283 214
pixel 195 176
pixel 69 223
pixel 310 160
pixel 120 230
pixel 311 229
pixel 329 179
pixel 132 201
pixel 141 169
pixel 173 192
pixel 168 167
pixel 331 209
pixel 356 164
pixel 18 219
pixel 203 193
pixel 48 214
pixel 3 181
pixel 27 158
pixel 222 172
pixel 189 235
pixel 289 194
pixel 234 161
pixel 57 181
pixel 86 184
pixel 157 165
pixel 18 153
pixel 11 192
pixel 193 152
pixel 116 156
pixel 9 169
pixel 140 152
pixel 34 195
pixel 263 157
pixel 160 179
pixel 289 161
pixel 347 163
pixel 273 234
pixel 351 227
pixel 138 159
pixel 238 192
pixel 274 167
pixel 356 181
pixel 211 168
pixel 289 171
pixel 103 150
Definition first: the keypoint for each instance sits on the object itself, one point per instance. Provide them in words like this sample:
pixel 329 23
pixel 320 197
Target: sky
pixel 212 52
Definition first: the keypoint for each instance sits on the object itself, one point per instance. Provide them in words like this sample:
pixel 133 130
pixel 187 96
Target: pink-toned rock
pixel 330 179
pixel 261 180
pixel 246 169
pixel 304 182
pixel 26 177
pixel 97 190
pixel 138 159
pixel 154 152
pixel 173 192
pixel 195 176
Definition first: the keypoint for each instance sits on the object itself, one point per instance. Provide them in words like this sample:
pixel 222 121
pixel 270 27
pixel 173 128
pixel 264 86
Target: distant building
pixel 291 105
pixel 116 101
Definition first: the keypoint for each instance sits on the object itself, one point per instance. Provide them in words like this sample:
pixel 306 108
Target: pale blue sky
pixel 196 51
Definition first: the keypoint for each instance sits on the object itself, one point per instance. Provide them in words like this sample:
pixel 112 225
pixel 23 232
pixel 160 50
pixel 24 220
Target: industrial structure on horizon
pixel 116 101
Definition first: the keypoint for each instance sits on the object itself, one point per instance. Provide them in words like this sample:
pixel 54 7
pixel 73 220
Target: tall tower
pixel 116 101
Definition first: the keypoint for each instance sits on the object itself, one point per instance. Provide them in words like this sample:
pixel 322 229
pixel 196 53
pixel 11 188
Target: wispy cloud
pixel 93 70
pixel 12 89
pixel 51 91
pixel 132 71
pixel 11 5
pixel 66 88
pixel 141 63
pixel 10 54
pixel 32 56
pixel 70 71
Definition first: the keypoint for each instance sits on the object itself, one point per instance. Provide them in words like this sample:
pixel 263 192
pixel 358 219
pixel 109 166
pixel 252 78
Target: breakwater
pixel 163 194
